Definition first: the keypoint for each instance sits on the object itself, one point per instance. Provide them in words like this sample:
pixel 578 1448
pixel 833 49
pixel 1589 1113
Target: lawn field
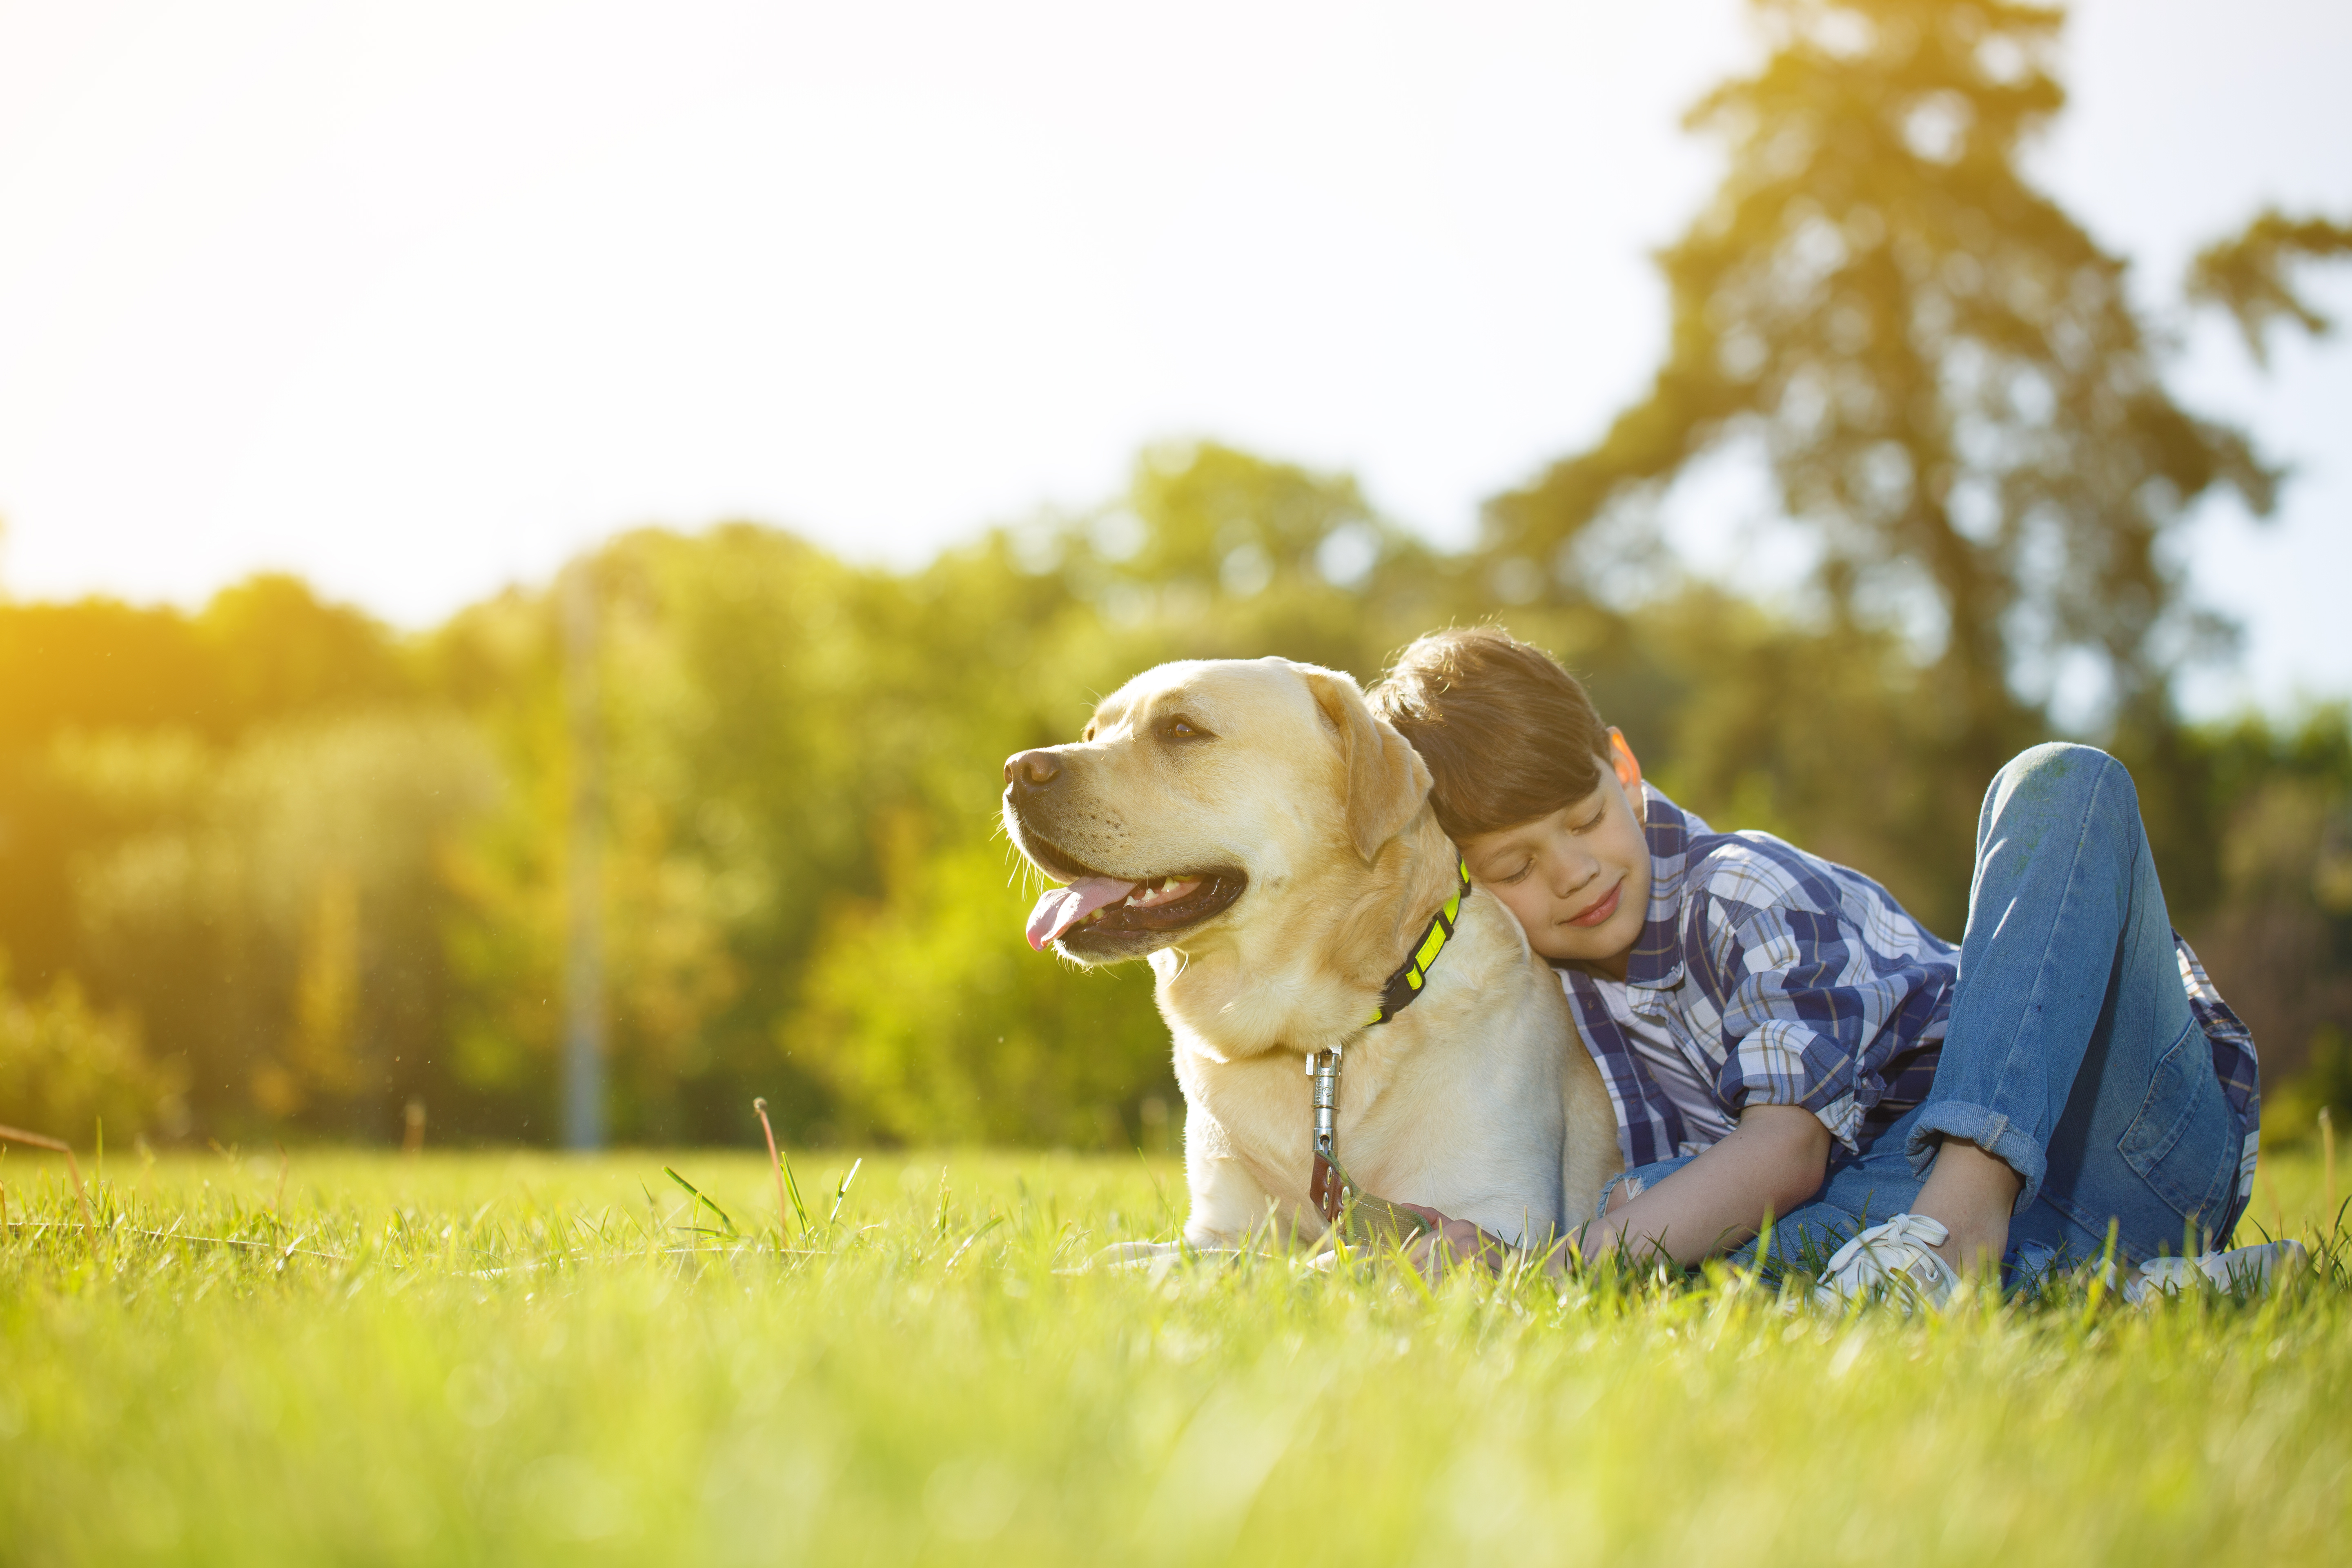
pixel 522 1358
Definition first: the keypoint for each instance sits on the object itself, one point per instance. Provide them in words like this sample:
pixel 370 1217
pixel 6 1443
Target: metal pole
pixel 583 969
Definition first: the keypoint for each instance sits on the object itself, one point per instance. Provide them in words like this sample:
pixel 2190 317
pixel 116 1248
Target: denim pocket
pixel 2184 1141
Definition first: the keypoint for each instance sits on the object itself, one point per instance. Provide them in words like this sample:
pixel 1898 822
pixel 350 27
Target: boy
pixel 1780 1036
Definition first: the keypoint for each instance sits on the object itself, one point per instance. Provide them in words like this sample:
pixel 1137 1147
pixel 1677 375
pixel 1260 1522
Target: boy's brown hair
pixel 1509 736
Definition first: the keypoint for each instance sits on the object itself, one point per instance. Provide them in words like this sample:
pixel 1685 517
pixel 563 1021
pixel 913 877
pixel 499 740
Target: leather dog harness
pixel 1328 1186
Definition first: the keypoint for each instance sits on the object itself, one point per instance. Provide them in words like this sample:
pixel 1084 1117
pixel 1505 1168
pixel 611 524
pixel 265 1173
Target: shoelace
pixel 1911 1229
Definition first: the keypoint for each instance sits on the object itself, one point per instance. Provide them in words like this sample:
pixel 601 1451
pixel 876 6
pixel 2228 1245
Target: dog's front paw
pixel 1155 1257
pixel 1135 1254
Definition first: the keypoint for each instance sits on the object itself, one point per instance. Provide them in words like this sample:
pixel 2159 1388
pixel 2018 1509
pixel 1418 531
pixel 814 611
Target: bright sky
pixel 415 300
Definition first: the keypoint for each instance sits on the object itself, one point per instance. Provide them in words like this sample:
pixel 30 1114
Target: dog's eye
pixel 1088 733
pixel 1181 729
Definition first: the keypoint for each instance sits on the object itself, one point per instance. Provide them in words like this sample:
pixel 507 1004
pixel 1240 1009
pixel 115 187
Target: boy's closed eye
pixel 1600 814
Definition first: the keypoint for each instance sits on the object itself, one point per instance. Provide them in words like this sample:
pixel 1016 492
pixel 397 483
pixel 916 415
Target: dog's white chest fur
pixel 1460 1103
pixel 1497 1162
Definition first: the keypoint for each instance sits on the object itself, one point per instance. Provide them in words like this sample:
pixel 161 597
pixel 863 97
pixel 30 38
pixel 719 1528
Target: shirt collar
pixel 1657 960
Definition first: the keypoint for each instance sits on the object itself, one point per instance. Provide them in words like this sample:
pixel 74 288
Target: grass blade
pixel 841 1192
pixel 700 1196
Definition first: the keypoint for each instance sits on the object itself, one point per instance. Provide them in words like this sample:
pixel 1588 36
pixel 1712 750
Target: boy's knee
pixel 2062 777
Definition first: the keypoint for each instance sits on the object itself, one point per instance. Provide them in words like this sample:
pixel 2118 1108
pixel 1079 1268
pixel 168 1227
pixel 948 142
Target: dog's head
pixel 1199 791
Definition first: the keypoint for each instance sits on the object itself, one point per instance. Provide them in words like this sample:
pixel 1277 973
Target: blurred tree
pixel 274 909
pixel 1833 770
pixel 930 1021
pixel 64 1065
pixel 92 665
pixel 2280 941
pixel 765 705
pixel 262 651
pixel 320 893
pixel 98 663
pixel 276 649
pixel 322 1054
pixel 1954 394
pixel 2247 274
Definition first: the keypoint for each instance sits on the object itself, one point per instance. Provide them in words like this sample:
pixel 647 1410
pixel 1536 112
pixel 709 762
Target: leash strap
pixel 1328 1186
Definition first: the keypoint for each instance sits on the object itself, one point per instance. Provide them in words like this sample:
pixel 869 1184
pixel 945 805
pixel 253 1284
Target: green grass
pixel 525 1359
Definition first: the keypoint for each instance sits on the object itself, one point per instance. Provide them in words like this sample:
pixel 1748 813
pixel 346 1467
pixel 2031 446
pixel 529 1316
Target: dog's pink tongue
pixel 1063 908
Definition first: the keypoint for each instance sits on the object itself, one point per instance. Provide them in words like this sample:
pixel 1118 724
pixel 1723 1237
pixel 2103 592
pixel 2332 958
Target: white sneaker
pixel 1897 1259
pixel 2252 1266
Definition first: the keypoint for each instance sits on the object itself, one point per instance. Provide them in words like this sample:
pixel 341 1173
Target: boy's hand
pixel 1450 1243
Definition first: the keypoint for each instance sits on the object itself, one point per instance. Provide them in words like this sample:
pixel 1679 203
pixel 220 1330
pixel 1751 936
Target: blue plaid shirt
pixel 1764 975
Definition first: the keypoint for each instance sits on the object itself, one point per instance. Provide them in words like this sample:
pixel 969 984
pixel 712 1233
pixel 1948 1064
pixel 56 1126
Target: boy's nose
pixel 1574 877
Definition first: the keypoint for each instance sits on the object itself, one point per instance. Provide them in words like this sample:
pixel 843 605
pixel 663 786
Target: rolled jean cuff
pixel 1988 1130
pixel 1643 1177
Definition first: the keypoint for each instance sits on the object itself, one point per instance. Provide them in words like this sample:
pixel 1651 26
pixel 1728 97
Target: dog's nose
pixel 1032 770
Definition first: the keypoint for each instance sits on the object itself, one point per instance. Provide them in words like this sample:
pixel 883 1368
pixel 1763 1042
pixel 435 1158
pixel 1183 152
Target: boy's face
pixel 1579 878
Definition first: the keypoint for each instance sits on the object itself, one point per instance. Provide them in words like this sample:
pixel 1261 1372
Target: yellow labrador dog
pixel 1268 843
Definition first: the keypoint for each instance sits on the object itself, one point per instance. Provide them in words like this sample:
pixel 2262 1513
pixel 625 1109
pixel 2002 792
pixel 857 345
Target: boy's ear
pixel 1628 769
pixel 1387 780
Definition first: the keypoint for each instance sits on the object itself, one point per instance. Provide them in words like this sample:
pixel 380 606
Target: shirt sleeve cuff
pixel 1783 1063
pixel 1842 1117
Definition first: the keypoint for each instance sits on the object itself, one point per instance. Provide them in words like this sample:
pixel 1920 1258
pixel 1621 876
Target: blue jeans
pixel 2070 1052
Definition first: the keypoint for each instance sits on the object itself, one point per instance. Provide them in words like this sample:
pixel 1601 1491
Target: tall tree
pixel 1955 396
pixel 2248 274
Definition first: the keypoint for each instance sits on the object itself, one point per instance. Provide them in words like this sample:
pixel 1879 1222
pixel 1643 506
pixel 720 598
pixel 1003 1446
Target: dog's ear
pixel 1387 780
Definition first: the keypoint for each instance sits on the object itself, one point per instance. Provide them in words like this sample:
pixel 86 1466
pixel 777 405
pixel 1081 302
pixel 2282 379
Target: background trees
pixel 317 912
pixel 320 869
